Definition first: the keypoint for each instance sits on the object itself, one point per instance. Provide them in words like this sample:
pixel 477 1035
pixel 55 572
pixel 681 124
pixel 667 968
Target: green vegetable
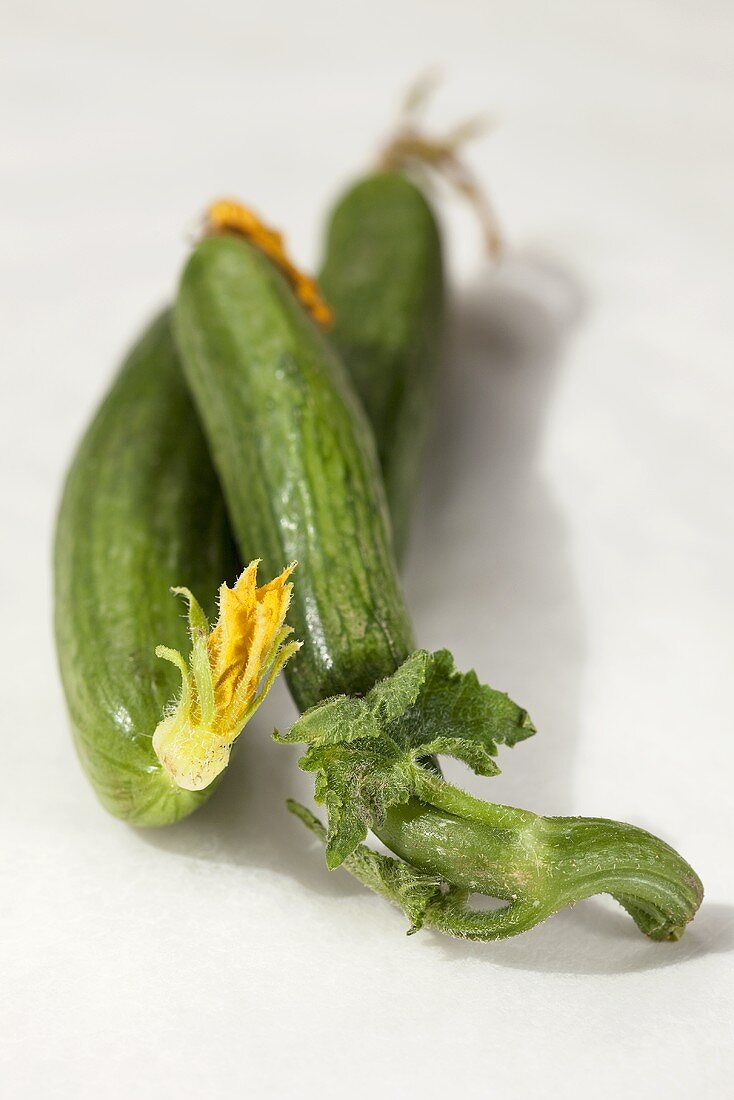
pixel 383 277
pixel 141 509
pixel 310 482
pixel 300 475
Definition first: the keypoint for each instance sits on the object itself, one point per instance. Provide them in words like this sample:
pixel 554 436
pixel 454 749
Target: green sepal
pixel 367 753
pixel 198 632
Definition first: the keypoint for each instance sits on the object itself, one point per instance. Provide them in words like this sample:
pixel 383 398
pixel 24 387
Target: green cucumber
pixel 382 275
pixel 141 511
pixel 297 463
pixel 300 475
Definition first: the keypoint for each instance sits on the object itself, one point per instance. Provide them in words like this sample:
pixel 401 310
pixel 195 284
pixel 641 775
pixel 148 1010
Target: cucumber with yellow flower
pixel 142 512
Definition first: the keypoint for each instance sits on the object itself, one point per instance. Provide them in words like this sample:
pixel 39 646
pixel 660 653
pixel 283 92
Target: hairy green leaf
pixel 368 754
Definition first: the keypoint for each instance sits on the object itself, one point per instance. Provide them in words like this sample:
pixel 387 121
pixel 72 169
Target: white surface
pixel 574 543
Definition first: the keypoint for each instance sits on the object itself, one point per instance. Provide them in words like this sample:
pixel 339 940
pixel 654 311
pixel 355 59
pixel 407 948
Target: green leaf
pixel 368 754
pixel 476 756
pixel 337 720
pixel 456 705
pixel 393 697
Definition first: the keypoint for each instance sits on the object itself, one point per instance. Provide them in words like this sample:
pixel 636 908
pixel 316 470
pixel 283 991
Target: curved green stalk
pixel 539 865
pixel 369 756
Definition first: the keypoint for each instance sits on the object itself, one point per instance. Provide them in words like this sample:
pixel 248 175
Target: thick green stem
pixel 539 865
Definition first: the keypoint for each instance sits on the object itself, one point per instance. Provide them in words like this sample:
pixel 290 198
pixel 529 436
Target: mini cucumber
pixel 141 511
pixel 284 425
pixel 383 276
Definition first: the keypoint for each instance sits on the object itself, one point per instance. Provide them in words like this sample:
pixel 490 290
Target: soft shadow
pixel 246 822
pixel 597 937
pixel 489 573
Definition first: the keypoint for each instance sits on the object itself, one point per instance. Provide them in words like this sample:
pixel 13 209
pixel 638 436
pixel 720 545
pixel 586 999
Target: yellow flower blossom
pixel 230 671
pixel 229 216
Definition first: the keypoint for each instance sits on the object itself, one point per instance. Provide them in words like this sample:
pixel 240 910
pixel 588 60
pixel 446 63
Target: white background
pixel 573 543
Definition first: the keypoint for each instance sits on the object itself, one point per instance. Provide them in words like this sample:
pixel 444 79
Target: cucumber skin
pixel 383 276
pixel 141 511
pixel 297 463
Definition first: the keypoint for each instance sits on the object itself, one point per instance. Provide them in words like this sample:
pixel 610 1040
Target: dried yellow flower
pixel 229 216
pixel 230 671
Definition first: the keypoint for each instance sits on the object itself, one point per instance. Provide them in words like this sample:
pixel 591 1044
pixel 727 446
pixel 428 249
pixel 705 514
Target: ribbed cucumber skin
pixel 297 463
pixel 383 276
pixel 141 511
